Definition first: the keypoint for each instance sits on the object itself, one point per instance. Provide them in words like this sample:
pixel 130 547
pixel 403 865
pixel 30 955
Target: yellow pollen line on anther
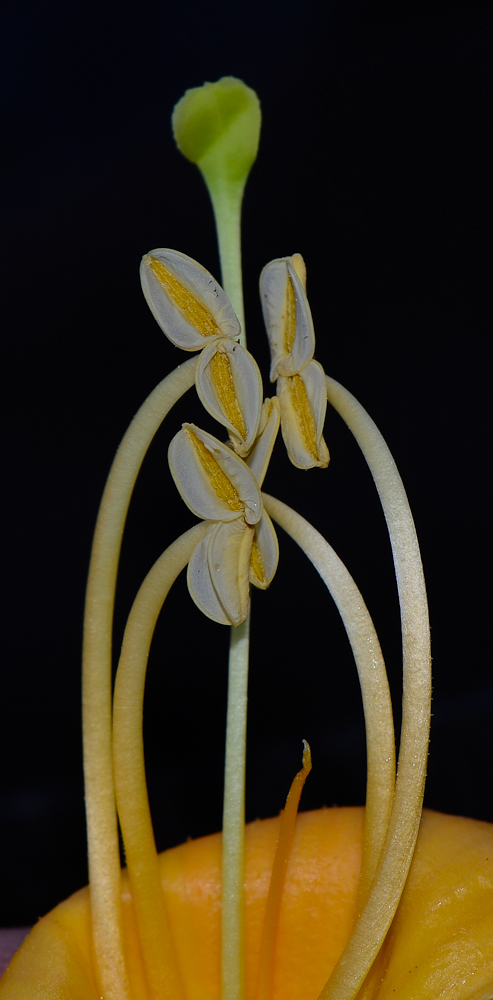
pixel 289 315
pixel 226 391
pixel 300 268
pixel 194 311
pixel 278 878
pixel 218 479
pixel 256 562
pixel 304 414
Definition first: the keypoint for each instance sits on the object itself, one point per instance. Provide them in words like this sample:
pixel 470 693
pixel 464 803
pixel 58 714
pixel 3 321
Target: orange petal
pixel 440 943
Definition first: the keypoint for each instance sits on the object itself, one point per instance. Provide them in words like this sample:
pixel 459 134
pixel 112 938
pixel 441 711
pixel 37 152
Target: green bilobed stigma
pixel 217 126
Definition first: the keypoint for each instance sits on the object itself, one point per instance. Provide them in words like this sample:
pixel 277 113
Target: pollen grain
pixel 304 414
pixel 289 315
pixel 222 486
pixel 224 385
pixel 194 311
pixel 257 563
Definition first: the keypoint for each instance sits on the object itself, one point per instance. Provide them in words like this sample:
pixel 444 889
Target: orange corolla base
pixel 440 944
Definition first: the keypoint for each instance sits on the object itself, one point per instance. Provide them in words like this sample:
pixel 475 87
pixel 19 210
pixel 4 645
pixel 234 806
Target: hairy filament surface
pixel 372 677
pixel 161 968
pixel 405 818
pixel 102 833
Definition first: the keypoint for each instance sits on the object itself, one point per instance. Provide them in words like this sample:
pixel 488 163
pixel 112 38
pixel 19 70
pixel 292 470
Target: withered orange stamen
pixel 278 877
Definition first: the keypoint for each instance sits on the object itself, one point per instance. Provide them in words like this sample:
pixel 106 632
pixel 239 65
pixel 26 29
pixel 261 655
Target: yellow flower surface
pixel 440 943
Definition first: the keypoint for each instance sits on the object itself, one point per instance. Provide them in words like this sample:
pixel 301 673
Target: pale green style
pixel 217 126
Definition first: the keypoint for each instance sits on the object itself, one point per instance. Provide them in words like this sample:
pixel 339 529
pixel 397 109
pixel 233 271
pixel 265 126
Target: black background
pixel 374 164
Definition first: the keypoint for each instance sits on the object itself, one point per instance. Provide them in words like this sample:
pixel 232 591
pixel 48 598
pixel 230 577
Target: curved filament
pixel 372 678
pixel 162 975
pixel 102 833
pixel 386 890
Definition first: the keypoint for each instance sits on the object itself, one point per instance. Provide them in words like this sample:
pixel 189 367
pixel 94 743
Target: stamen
pixel 192 309
pixel 219 481
pixel 289 315
pixel 278 877
pixel 303 410
pixel 226 391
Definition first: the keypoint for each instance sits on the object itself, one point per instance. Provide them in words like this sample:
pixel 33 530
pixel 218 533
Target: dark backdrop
pixel 373 164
